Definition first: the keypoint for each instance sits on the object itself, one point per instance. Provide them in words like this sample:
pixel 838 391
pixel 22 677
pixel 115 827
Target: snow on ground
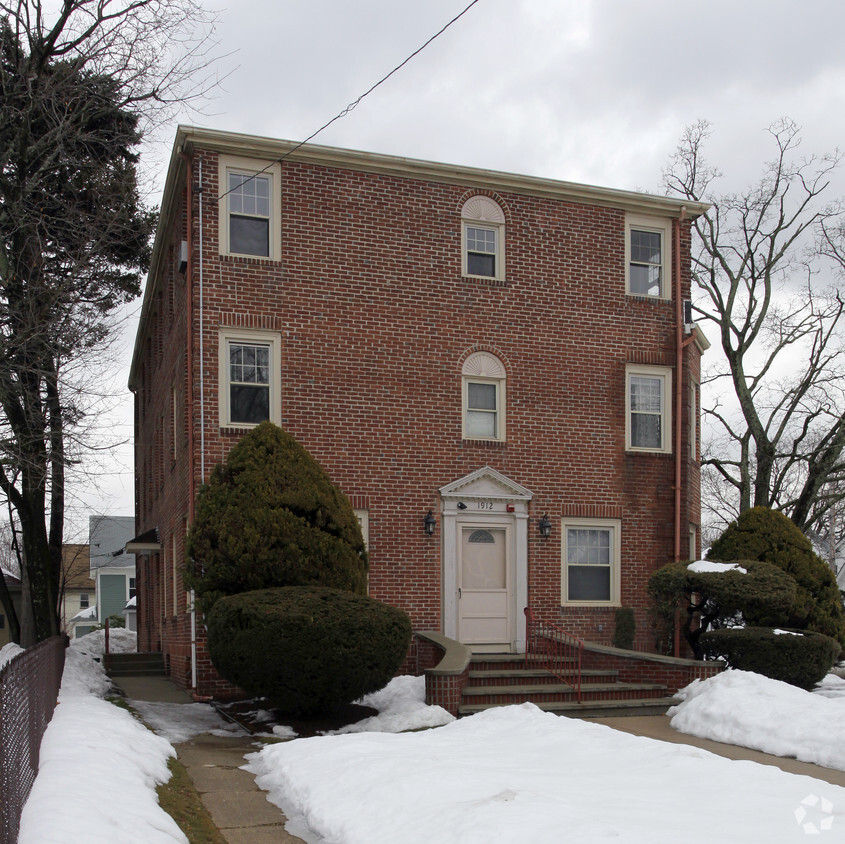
pixel 520 774
pixel 401 706
pixel 514 773
pixel 739 707
pixel 8 652
pixel 178 722
pixel 99 767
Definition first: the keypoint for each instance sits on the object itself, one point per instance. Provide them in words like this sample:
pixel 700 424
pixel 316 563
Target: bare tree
pixel 77 89
pixel 765 262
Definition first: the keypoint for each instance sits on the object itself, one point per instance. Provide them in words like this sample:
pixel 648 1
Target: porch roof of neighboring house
pixel 145 542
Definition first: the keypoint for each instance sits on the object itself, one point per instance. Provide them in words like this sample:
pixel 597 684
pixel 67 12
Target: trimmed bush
pixel 307 649
pixel 269 516
pixel 765 534
pixel 801 660
pixel 623 634
pixel 714 599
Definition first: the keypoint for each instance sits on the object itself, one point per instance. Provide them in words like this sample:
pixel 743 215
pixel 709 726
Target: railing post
pixel 106 653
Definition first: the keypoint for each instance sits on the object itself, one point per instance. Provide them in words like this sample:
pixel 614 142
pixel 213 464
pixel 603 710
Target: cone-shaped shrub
pixel 307 649
pixel 269 516
pixel 765 534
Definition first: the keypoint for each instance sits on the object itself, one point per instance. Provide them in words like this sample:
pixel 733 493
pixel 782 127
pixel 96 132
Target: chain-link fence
pixel 29 685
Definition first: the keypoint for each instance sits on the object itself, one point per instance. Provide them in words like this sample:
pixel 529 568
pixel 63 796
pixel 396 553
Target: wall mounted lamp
pixel 429 523
pixel 545 526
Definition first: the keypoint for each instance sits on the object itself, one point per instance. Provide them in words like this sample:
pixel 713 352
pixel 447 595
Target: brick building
pixel 501 360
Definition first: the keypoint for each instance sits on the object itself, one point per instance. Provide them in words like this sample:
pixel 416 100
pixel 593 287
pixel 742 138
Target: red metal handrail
pixel 553 649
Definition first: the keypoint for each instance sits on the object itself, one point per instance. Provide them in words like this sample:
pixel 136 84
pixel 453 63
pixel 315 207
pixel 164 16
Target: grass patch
pixel 182 802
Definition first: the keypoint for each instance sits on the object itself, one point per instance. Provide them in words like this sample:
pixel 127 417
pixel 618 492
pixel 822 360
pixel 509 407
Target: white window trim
pixel 250 336
pixel 490 370
pixel 615 528
pixel 481 212
pixel 664 228
pixel 665 373
pixel 250 166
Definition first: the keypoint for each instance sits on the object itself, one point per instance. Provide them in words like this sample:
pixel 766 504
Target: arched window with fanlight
pixel 483 384
pixel 483 238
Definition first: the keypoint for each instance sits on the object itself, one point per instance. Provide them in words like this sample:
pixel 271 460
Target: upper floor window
pixel 483 397
pixel 648 421
pixel 249 377
pixel 647 253
pixel 483 238
pixel 249 214
pixel 131 588
pixel 84 601
pixel 250 208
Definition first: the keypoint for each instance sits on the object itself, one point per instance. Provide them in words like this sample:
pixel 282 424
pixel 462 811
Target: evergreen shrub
pixel 308 649
pixel 270 516
pixel 801 660
pixel 623 634
pixel 765 534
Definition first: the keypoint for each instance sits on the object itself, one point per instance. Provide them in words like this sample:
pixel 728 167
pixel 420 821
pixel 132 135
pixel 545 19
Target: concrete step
pixel 135 665
pixel 590 709
pixel 561 692
pixel 520 676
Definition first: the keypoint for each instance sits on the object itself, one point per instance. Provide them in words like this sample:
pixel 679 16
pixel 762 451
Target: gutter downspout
pixel 679 393
pixel 189 319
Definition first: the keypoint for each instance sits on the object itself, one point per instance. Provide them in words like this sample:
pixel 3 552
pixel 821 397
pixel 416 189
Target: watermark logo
pixel 814 815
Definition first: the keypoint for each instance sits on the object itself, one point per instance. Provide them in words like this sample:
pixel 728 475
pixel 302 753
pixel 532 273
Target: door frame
pixel 486 496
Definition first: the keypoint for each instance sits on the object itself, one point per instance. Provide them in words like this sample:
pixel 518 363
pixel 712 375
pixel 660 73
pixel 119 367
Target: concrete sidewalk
pixel 658 727
pixel 239 809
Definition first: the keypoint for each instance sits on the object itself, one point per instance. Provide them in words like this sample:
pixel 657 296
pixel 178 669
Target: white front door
pixel 485 600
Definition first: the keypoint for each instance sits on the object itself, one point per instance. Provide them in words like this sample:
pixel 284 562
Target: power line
pixel 355 102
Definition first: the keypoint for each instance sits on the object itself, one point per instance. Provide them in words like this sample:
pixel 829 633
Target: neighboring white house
pixel 111 566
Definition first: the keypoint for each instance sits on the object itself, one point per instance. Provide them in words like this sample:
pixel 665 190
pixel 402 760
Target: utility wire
pixel 354 103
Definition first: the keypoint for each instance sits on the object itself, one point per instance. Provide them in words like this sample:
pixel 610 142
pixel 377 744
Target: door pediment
pixel 486 483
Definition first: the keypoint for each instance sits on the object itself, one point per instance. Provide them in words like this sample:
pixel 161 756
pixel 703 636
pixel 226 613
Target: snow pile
pixel 121 641
pixel 9 652
pixel 99 768
pixel 520 774
pixel 833 687
pixel 401 706
pixel 178 722
pixel 747 709
pixel 708 566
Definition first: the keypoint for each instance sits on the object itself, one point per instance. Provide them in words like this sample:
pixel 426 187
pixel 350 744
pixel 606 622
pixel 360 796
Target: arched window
pixel 483 381
pixel 483 238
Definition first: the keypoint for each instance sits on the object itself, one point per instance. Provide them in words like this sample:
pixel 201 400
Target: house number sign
pixel 484 504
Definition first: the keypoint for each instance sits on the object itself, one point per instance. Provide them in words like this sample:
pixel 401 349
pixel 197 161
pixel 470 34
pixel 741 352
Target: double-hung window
pixel 249 377
pixel 250 207
pixel 483 377
pixel 591 571
pixel 249 214
pixel 483 236
pixel 647 253
pixel 647 413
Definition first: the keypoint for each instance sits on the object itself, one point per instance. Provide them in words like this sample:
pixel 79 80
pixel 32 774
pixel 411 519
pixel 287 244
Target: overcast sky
pixel 594 91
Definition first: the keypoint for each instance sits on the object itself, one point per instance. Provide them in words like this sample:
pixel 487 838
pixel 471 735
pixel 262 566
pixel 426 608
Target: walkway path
pixel 239 809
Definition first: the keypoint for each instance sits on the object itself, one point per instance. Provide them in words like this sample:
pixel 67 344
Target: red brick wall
pixel 375 320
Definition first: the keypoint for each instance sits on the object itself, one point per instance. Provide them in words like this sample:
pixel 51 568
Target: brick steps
pixel 136 665
pixel 506 679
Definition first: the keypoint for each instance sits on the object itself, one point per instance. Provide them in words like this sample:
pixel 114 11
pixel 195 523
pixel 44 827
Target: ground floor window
pixel 590 561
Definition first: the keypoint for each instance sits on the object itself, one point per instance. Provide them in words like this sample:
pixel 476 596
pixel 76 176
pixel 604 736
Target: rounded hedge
pixel 270 516
pixel 798 657
pixel 765 534
pixel 307 649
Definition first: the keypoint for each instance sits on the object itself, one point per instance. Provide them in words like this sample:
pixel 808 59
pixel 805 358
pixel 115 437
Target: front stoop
pixel 505 679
